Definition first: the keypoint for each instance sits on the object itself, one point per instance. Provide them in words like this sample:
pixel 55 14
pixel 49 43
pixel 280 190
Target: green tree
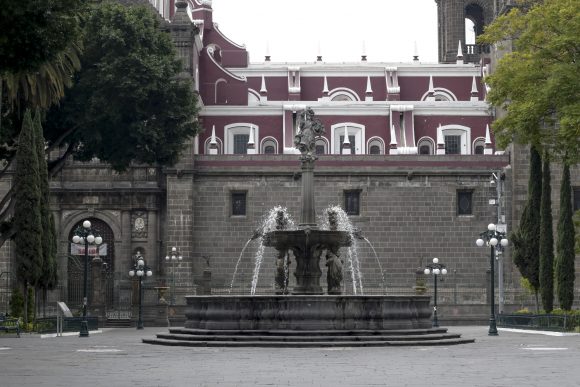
pixel 537 83
pixel 48 278
pixel 129 103
pixel 34 31
pixel 546 241
pixel 27 219
pixel 565 274
pixel 526 239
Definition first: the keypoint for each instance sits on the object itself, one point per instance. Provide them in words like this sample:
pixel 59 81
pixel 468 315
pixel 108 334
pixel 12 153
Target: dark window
pixel 352 202
pixel 479 149
pixel 238 203
pixel 424 150
pixel 351 140
pixel 452 145
pixel 375 150
pixel 464 203
pixel 319 149
pixel 269 149
pixel 241 143
pixel 576 199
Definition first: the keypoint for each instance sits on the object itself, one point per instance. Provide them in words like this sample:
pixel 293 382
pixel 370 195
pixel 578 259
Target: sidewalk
pixel 116 357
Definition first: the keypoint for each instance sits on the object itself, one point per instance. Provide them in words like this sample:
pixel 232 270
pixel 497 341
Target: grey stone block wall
pixel 408 221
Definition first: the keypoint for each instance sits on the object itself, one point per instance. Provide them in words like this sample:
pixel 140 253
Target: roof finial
pixel 474 93
pixel 213 148
pixel 431 91
pixel 325 87
pixel 440 141
pixel 459 54
pixel 346 149
pixel 319 53
pixel 488 146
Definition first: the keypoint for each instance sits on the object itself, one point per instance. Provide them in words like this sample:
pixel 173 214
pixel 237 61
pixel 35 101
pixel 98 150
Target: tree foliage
pixel 537 83
pixel 27 220
pixel 526 239
pixel 565 274
pixel 546 240
pixel 48 278
pixel 129 103
pixel 34 32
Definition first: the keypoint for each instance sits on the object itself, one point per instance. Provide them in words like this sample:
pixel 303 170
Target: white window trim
pixel 215 95
pixel 474 143
pixel 440 91
pixel 376 139
pixel 268 139
pixel 326 145
pixel 430 141
pixel 343 91
pixel 359 137
pixel 256 95
pixel 457 130
pixel 220 145
pixel 238 128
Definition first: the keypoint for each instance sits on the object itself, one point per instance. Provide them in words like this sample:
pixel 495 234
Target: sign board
pixel 65 310
pixel 80 249
pixel 501 227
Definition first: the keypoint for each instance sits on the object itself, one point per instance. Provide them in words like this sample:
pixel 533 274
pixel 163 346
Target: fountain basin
pixel 307 312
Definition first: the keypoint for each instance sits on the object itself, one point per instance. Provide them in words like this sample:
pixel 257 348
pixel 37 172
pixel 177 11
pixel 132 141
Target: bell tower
pixel 451 15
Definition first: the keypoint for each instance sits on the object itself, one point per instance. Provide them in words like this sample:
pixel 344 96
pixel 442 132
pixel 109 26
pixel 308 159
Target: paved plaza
pixel 116 357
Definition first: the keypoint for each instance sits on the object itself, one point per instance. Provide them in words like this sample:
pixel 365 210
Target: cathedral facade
pixel 407 153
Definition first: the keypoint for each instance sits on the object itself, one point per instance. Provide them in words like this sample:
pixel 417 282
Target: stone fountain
pixel 305 316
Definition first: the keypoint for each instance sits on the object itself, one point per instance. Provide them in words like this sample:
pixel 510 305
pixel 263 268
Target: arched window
pixel 321 146
pixel 219 143
pixel 269 146
pixel 440 94
pixel 426 146
pixel 375 146
pixel 356 136
pixel 479 146
pixel 237 136
pixel 343 94
pixel 457 139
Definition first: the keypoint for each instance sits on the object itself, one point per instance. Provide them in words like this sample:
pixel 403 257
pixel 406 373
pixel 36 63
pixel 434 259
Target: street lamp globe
pixel 491 227
pixel 479 242
pixel 76 239
pixel 427 271
pixel 493 241
pixel 87 224
pixel 435 260
pixel 90 238
pixel 443 271
pixel 131 273
pixel 98 240
pixel 504 242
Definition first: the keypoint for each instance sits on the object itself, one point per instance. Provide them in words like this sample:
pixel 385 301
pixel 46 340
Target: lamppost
pixel 173 257
pixel 86 236
pixel 495 240
pixel 437 269
pixel 140 270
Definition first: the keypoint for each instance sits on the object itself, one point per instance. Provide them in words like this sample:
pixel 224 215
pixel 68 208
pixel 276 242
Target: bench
pixel 10 324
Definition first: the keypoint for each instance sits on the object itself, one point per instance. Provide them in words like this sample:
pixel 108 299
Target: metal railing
pixel 544 322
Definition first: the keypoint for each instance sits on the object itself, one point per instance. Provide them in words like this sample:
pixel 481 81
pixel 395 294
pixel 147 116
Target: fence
pixel 545 322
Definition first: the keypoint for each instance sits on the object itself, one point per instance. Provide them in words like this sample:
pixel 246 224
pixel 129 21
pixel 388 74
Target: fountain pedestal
pixel 308 246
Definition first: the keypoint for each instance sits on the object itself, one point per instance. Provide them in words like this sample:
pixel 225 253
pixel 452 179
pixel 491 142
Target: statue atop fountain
pixel 310 129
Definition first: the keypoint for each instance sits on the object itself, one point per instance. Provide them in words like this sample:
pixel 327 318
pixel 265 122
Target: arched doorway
pixel 107 288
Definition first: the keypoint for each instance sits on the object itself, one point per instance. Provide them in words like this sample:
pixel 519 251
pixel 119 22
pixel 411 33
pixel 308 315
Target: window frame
pixel 233 195
pixel 458 208
pixel 351 193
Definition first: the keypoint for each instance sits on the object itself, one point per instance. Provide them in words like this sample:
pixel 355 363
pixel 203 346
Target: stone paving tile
pixel 117 357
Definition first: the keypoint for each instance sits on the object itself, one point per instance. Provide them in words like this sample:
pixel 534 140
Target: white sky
pixel 293 29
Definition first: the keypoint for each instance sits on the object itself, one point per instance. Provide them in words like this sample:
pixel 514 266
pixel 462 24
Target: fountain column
pixel 308 218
